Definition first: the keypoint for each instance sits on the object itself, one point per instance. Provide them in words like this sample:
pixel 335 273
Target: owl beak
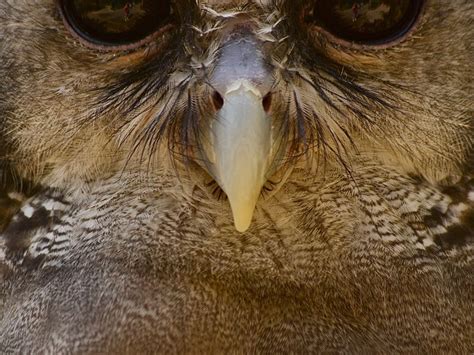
pixel 242 141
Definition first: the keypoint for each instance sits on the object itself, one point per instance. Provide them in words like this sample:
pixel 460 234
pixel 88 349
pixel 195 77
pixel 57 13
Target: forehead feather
pixel 226 3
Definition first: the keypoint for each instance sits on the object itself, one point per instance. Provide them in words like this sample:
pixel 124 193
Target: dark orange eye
pixel 115 23
pixel 368 22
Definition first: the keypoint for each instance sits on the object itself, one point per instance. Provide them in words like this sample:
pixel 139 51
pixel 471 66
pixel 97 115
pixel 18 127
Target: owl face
pixel 240 92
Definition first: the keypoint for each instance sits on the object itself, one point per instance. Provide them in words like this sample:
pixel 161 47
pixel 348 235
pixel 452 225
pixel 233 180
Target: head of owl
pixel 242 93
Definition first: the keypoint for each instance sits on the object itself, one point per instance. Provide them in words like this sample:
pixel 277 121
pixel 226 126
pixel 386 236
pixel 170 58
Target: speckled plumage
pixel 363 244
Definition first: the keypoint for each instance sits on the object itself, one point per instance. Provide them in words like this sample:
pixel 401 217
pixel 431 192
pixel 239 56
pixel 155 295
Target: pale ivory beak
pixel 242 149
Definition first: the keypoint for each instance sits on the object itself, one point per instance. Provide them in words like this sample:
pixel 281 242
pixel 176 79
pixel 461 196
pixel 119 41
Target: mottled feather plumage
pixel 363 243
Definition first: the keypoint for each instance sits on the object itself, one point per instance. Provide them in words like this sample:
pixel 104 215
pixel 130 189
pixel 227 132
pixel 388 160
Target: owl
pixel 230 176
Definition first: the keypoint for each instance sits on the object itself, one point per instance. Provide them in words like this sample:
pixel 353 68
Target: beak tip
pixel 242 226
pixel 243 214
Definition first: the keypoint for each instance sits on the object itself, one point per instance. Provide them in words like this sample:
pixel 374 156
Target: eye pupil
pixel 116 22
pixel 366 21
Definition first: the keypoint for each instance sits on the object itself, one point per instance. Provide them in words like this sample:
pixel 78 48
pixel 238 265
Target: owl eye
pixel 115 24
pixel 366 22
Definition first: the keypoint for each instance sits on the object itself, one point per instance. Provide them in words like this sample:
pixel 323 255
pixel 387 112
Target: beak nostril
pixel 267 102
pixel 217 100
